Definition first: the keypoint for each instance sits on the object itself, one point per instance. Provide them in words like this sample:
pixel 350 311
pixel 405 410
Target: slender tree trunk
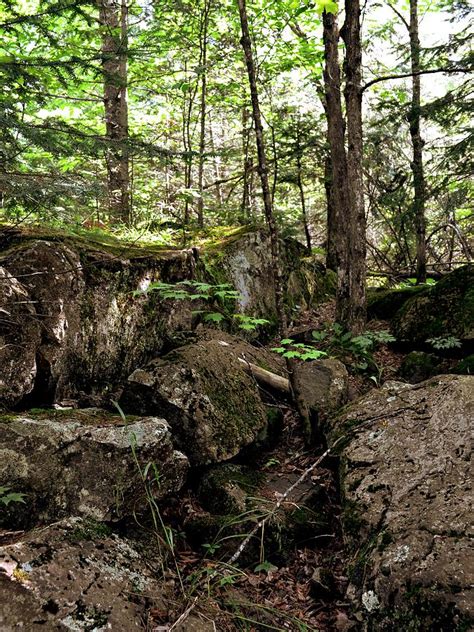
pixel 299 182
pixel 351 297
pixel 202 134
pixel 269 215
pixel 247 160
pixel 188 104
pixel 417 142
pixel 113 19
pixel 336 164
pixel 262 165
pixel 332 235
pixel 217 169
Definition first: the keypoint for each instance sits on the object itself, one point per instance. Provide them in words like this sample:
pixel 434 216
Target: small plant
pixel 444 342
pixel 335 341
pixel 7 497
pixel 220 295
pixel 291 349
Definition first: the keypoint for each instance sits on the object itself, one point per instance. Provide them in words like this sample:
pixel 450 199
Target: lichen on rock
pixel 82 464
pixel 406 480
pixel 213 406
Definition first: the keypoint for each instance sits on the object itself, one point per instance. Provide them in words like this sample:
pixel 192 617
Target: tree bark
pixel 113 19
pixel 300 185
pixel 419 184
pixel 202 133
pixel 336 165
pixel 351 297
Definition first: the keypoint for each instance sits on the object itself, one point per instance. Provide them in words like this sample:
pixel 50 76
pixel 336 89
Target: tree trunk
pixel 113 20
pixel 417 142
pixel 246 192
pixel 336 165
pixel 270 219
pixel 299 182
pixel 217 170
pixel 351 298
pixel 202 134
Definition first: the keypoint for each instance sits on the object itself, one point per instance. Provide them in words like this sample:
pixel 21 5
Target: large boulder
pixel 202 389
pixel 245 262
pixel 73 327
pixel 72 324
pixel 20 336
pixel 443 310
pixel 83 463
pixel 76 575
pixel 406 481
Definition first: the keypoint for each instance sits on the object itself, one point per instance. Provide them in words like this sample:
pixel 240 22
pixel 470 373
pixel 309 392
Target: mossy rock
pixel 384 303
pixel 418 366
pixel 212 404
pixel 465 366
pixel 445 309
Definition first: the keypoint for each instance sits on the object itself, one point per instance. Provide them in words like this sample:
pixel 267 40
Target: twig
pixel 184 616
pixel 281 500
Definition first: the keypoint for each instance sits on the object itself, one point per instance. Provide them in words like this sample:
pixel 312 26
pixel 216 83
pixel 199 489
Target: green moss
pixel 384 304
pixel 445 309
pixel 418 366
pixel 90 530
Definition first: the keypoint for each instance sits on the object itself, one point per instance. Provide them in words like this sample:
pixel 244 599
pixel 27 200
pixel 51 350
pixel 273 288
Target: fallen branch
pixel 267 378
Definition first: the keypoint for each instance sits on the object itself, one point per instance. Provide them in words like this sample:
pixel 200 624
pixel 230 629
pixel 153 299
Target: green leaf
pixel 326 5
pixel 286 341
pixel 266 567
pixel 214 317
pixel 291 354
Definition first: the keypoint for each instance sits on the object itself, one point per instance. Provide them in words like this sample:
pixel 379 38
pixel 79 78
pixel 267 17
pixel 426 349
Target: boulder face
pixel 406 479
pixel 445 309
pixel 324 385
pixel 78 329
pixel 75 575
pixel 245 263
pixel 213 406
pixel 82 463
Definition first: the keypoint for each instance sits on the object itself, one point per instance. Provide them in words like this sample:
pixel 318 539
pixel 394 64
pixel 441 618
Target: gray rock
pixel 82 463
pixel 74 576
pixel 324 384
pixel 20 335
pixel 213 406
pixel 406 478
pixel 418 366
pixel 245 262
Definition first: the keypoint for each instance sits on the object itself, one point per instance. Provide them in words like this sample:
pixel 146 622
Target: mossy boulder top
pixel 445 309
pixel 83 462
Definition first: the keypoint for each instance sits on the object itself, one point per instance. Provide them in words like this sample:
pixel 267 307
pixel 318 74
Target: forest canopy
pixel 137 118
